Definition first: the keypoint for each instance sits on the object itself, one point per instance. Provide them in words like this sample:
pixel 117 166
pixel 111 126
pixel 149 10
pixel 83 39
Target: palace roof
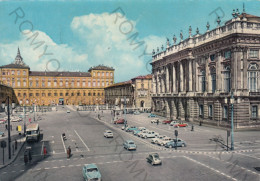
pixel 101 67
pixel 59 74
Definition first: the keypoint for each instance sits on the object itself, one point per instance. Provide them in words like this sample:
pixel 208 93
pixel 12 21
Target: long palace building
pixel 195 79
pixel 49 88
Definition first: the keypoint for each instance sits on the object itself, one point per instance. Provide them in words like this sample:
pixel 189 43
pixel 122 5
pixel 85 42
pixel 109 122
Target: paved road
pixel 202 159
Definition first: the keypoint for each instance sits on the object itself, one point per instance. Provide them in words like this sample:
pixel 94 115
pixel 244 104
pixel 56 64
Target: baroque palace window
pixel 252 76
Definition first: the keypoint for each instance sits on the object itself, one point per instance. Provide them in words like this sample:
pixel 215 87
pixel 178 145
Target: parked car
pixel 156 139
pixel 142 133
pixel 131 128
pixel 154 159
pixel 129 145
pixel 119 121
pixel 183 125
pixel 152 116
pixel 136 113
pixel 91 172
pixel 141 128
pixel 166 121
pixel 68 111
pixel 2 134
pixel 148 134
pixel 163 141
pixel 171 144
pixel 108 134
pixel 173 123
pixel 2 121
pixel 135 132
pixel 155 120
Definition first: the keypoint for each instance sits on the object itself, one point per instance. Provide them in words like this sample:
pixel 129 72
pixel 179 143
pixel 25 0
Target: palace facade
pixel 195 79
pixel 50 88
pixel 136 91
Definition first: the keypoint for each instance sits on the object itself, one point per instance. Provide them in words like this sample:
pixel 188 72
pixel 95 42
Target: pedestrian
pixel 6 127
pixel 25 158
pixel 44 151
pixel 68 152
pixel 157 121
pixel 11 127
pixel 15 144
pixel 30 156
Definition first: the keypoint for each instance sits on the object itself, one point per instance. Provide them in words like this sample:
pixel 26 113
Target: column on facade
pixel 245 68
pixel 217 111
pixel 232 68
pixel 197 76
pixel 190 75
pixel 238 70
pixel 167 102
pixel 181 109
pixel 219 79
pixel 173 78
pixel 208 76
pixel 181 77
pixel 158 83
pixel 154 84
pixel 167 79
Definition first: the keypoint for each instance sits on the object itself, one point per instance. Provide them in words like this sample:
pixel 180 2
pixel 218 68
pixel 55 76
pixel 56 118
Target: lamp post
pixel 232 120
pixel 8 118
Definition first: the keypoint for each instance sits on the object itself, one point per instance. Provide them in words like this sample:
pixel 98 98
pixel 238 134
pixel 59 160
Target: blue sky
pixel 81 34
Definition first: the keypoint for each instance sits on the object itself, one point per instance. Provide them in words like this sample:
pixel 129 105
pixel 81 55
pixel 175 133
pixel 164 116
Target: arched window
pixel 252 77
pixel 227 79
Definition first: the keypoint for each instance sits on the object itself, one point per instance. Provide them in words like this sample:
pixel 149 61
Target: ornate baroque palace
pixel 196 79
pixel 50 88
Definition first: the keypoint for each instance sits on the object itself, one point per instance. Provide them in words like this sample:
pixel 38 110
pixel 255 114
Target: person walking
pixel 68 152
pixel 44 151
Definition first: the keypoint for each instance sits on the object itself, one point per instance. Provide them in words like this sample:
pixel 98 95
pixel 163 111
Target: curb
pixel 15 157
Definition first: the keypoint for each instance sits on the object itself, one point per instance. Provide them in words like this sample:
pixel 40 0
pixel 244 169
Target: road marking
pixel 248 156
pixel 82 140
pixel 54 167
pixel 213 169
pixel 63 144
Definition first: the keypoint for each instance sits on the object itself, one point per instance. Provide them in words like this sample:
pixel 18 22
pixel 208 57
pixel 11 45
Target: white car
pixel 163 141
pixel 142 128
pixel 140 134
pixel 15 119
pixel 148 134
pixel 155 120
pixel 68 111
pixel 156 139
pixel 108 134
pixel 173 123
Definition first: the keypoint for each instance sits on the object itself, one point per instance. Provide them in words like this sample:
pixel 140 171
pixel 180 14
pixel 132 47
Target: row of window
pixel 254 111
pixel 252 78
pixel 94 84
pixel 103 74
pixel 61 94
pixel 253 53
pixel 13 72
pixel 18 72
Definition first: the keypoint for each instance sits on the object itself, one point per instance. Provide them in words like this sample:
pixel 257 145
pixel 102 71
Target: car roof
pixel 129 141
pixel 108 130
pixel 92 165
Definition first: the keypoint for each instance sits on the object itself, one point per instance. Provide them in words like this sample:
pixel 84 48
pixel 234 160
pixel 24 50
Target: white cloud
pixel 107 42
pixel 33 54
pixel 100 38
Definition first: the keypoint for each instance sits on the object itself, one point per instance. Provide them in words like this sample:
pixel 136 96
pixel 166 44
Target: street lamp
pixel 8 118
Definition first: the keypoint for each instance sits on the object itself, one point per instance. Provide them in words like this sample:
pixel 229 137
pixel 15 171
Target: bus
pixel 33 132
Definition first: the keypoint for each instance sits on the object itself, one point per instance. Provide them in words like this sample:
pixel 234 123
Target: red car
pixel 181 125
pixel 3 121
pixel 119 121
pixel 166 121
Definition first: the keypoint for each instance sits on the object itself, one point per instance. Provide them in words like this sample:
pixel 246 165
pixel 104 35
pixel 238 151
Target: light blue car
pixel 172 144
pixel 129 145
pixel 91 172
pixel 131 128
pixel 136 132
pixel 152 116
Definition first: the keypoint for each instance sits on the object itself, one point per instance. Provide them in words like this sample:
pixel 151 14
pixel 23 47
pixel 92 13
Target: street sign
pixel 19 128
pixel 3 144
pixel 176 133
